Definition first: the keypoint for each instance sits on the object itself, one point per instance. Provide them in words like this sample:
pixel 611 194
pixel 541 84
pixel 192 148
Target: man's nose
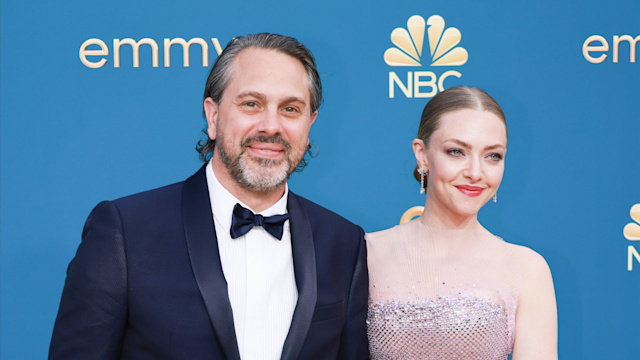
pixel 270 123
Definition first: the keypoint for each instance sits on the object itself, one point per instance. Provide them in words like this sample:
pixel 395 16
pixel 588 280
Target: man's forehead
pixel 261 70
pixel 256 54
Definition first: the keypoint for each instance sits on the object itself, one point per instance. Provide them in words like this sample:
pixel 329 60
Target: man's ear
pixel 314 116
pixel 211 113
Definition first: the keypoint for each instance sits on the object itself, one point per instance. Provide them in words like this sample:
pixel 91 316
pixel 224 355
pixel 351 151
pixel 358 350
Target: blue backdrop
pixel 73 135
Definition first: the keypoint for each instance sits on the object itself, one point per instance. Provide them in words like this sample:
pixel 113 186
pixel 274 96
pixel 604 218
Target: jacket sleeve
pixel 354 344
pixel 93 310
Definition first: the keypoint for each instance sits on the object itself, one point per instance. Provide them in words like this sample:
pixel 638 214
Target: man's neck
pixel 257 200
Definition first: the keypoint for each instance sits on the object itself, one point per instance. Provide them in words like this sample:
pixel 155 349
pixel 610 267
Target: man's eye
pixel 250 104
pixel 290 109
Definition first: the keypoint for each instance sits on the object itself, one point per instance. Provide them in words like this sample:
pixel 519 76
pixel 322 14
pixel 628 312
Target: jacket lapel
pixel 205 260
pixel 304 264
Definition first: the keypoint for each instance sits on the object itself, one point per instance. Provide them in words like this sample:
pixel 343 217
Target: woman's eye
pixel 455 152
pixel 494 157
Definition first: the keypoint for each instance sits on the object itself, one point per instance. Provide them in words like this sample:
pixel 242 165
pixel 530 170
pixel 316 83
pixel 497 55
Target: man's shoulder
pixel 171 193
pixel 146 198
pixel 156 205
pixel 317 212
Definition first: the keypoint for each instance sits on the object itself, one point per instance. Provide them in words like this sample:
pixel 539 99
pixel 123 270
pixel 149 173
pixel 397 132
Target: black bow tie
pixel 244 220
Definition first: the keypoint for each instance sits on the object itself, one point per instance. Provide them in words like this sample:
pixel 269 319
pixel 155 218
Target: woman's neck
pixel 447 220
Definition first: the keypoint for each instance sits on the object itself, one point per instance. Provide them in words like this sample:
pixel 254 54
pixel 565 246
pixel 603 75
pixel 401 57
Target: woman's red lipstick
pixel 469 190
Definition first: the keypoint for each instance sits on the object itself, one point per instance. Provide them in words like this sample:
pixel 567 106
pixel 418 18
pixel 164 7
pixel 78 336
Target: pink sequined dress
pixel 441 294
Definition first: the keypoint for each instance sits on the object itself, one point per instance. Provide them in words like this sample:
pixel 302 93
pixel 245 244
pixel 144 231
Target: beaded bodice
pixel 439 294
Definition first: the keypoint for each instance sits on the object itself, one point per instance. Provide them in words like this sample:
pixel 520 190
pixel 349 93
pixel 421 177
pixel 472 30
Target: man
pixel 228 264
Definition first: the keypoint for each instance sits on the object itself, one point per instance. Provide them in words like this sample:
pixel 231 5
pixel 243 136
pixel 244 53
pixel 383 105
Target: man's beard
pixel 255 173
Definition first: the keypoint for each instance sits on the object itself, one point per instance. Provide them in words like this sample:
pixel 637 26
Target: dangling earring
pixel 495 197
pixel 422 175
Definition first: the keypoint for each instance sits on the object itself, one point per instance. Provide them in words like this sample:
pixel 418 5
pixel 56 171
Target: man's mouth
pixel 267 150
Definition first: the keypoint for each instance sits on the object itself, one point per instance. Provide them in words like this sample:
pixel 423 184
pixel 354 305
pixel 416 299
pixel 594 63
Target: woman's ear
pixel 420 151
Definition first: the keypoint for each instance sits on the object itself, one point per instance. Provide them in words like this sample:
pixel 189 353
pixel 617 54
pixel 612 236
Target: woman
pixel 442 286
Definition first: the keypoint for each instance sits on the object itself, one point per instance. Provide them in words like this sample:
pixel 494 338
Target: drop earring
pixel 495 197
pixel 422 182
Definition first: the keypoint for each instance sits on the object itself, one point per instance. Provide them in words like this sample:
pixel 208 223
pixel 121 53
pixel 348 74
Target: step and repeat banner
pixel 99 100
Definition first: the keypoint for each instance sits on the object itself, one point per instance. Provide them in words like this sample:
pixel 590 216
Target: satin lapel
pixel 304 265
pixel 205 260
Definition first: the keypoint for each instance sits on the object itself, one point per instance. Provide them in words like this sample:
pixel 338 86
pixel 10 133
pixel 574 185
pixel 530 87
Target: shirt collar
pixel 222 201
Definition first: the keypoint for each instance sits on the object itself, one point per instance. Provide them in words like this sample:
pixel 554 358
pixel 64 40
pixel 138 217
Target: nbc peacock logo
pixel 631 232
pixel 408 51
pixel 442 44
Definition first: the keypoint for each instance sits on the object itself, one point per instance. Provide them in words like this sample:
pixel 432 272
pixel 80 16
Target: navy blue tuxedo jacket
pixel 147 283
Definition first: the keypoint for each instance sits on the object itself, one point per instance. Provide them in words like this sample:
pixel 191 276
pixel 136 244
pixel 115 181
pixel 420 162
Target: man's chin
pixel 264 174
pixel 265 178
pixel 265 163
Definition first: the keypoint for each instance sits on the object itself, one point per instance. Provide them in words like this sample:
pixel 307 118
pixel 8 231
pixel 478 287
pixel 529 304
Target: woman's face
pixel 465 160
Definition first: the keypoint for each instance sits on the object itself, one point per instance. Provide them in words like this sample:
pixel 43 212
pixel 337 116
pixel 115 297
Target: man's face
pixel 261 124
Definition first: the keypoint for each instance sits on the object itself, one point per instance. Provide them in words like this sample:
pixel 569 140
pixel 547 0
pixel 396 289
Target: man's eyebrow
pixel 253 94
pixel 292 99
pixel 261 96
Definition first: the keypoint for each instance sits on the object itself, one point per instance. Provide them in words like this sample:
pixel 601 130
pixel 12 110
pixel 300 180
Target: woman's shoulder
pixel 391 233
pixel 380 235
pixel 532 263
pixel 393 241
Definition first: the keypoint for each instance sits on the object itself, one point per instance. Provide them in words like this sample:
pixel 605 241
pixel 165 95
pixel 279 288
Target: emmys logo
pixel 94 52
pixel 631 231
pixel 408 51
pixel 598 45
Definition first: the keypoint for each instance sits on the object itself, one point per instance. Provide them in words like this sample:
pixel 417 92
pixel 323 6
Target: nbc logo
pixel 632 232
pixel 408 51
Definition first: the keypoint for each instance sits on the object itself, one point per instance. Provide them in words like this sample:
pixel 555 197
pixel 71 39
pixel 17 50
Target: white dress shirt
pixel 259 273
